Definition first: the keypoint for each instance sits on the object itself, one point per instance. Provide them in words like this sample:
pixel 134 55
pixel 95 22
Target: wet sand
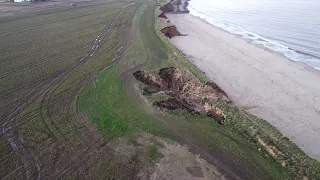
pixel 281 91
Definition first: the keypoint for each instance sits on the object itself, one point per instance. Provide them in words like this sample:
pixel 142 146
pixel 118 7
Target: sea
pixel 288 27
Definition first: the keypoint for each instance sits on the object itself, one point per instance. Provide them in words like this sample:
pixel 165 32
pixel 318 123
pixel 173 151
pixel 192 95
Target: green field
pixel 47 58
pixel 67 93
pixel 233 140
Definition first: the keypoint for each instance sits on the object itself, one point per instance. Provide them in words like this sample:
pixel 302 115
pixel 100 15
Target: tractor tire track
pixel 48 95
pixel 43 89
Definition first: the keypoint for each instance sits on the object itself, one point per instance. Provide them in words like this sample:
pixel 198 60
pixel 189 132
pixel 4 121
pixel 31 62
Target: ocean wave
pixel 268 43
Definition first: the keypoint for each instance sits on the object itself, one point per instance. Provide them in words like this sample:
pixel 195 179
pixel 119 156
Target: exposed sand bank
pixel 283 92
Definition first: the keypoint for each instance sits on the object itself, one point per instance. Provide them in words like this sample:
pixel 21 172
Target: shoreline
pixel 281 91
pixel 305 65
pixel 271 43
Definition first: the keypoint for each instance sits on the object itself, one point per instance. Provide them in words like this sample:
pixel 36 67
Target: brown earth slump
pixel 175 6
pixel 185 92
pixel 171 31
pixel 162 15
pixel 167 8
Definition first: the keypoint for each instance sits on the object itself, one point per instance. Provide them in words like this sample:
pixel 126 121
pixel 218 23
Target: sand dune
pixel 283 92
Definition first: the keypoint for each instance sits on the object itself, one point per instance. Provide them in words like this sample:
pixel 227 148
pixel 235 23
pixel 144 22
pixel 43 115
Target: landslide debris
pixel 175 6
pixel 169 7
pixel 185 92
pixel 171 31
pixel 162 15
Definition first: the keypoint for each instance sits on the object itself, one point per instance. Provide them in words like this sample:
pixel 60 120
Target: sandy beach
pixel 283 92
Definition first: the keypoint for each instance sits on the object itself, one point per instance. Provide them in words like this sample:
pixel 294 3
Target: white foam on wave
pixel 257 39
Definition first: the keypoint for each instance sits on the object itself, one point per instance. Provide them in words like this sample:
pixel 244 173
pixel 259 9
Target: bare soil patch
pixel 180 163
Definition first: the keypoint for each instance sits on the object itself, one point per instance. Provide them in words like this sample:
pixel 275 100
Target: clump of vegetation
pixel 153 152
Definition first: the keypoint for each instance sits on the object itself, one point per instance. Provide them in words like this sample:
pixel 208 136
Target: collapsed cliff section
pixel 175 6
pixel 171 31
pixel 162 15
pixel 184 91
pixel 169 7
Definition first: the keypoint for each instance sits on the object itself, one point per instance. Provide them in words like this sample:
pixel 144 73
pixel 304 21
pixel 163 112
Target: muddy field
pixel 47 57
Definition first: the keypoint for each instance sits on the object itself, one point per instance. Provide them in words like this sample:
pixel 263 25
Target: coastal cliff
pixel 171 31
pixel 175 6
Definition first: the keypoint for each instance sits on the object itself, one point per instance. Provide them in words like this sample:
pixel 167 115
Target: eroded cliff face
pixel 162 15
pixel 171 31
pixel 169 7
pixel 185 92
pixel 175 6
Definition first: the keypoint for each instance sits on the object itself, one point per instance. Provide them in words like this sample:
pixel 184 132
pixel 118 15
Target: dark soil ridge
pixel 171 31
pixel 162 15
pixel 185 92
